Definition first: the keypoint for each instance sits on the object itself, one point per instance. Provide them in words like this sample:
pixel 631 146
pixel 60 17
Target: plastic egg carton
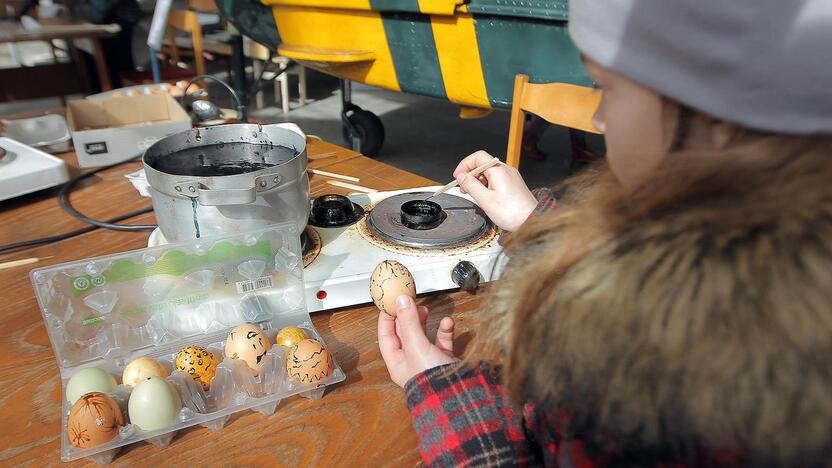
pixel 233 389
pixel 105 312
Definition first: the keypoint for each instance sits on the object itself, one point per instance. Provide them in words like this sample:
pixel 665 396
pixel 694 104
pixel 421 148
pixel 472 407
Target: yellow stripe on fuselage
pixel 347 4
pixel 459 59
pixel 439 7
pixel 332 29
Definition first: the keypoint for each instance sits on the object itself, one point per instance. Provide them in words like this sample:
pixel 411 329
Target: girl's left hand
pixel 404 343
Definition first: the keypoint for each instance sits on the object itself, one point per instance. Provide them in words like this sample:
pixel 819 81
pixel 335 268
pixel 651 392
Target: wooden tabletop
pixel 361 421
pixel 14 32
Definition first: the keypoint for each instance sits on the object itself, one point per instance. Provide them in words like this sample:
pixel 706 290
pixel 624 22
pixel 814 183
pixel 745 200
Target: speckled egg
pixel 199 363
pixel 140 369
pixel 89 380
pixel 248 343
pixel 94 419
pixel 154 404
pixel 290 336
pixel 389 280
pixel 309 362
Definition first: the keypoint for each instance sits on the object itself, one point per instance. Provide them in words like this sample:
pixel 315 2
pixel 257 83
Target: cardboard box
pixel 110 130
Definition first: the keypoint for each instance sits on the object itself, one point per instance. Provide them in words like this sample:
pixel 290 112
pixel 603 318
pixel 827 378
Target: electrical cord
pixel 59 237
pixel 64 202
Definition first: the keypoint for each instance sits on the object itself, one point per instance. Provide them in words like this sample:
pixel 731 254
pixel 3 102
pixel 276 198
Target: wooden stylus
pixel 473 173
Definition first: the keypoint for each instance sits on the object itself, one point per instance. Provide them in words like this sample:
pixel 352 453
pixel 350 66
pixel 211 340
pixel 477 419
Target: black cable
pixel 66 189
pixel 64 201
pixel 59 237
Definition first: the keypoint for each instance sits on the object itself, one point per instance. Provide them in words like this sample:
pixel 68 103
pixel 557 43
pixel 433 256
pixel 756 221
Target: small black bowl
pixel 421 214
pixel 334 211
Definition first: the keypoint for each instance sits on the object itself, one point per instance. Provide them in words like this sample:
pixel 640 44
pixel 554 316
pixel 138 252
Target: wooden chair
pixel 187 21
pixel 182 20
pixel 558 103
pixel 284 67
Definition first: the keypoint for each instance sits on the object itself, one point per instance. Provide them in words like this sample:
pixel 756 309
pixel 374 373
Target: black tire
pixel 370 131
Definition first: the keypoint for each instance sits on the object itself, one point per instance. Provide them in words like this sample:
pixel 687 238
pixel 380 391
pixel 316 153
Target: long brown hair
pixel 691 313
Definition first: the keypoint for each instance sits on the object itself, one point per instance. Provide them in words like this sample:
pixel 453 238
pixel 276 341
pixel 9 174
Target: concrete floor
pixel 423 135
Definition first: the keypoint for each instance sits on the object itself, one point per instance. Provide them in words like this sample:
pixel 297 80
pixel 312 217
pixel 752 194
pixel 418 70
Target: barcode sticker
pixel 254 285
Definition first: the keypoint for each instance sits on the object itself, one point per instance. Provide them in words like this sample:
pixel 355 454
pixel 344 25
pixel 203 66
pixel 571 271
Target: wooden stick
pixel 334 175
pixel 17 263
pixel 473 173
pixel 357 188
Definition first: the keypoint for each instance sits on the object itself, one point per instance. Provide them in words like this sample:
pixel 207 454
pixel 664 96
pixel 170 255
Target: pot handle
pixel 218 197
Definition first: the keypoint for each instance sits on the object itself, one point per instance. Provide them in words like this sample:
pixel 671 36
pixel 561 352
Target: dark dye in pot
pixel 223 159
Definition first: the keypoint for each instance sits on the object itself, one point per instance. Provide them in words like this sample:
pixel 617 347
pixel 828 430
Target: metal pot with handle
pixel 228 178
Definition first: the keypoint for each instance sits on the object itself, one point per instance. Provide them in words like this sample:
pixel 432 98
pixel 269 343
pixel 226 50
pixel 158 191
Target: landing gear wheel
pixel 366 127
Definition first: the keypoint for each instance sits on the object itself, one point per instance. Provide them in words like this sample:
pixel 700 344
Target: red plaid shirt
pixel 464 417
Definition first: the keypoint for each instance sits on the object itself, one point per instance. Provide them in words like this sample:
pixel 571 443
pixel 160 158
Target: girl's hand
pixel 404 345
pixel 500 191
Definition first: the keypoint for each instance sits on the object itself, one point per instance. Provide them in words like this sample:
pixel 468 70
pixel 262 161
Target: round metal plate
pixel 464 222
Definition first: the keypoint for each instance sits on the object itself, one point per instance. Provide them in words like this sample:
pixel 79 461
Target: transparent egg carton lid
pixel 106 311
pixel 159 299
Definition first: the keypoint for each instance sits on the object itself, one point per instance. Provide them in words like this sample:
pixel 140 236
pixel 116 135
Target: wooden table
pixel 361 421
pixel 20 83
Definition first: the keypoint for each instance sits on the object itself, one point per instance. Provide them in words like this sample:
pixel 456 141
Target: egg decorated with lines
pixel 389 280
pixel 309 362
pixel 249 343
pixel 94 419
pixel 199 363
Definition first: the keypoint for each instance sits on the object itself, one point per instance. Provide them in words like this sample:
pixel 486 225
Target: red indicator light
pixel 321 295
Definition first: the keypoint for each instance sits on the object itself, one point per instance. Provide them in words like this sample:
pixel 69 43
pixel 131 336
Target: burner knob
pixel 466 276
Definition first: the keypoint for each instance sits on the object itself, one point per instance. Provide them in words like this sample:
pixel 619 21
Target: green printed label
pixel 173 262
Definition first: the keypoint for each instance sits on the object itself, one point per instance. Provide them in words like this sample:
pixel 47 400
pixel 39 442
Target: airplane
pixel 464 51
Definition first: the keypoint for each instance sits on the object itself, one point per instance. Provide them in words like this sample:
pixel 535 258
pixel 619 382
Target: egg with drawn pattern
pixel 94 419
pixel 199 363
pixel 389 280
pixel 248 343
pixel 309 362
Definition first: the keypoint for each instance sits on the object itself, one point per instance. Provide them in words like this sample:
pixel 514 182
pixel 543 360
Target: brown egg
pixel 309 362
pixel 140 369
pixel 249 343
pixel 94 419
pixel 390 280
pixel 290 336
pixel 199 363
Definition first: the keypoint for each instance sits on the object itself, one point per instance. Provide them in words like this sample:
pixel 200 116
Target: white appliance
pixel 24 169
pixel 339 275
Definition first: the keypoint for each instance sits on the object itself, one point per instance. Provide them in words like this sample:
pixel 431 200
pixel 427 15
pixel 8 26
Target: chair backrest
pixel 558 103
pixel 188 21
pixel 203 6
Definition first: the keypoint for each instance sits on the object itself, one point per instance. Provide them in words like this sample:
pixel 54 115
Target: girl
pixel 678 309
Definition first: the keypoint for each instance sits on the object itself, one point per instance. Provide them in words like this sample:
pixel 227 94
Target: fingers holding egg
pixel 389 280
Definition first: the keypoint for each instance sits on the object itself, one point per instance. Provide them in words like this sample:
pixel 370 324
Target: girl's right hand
pixel 500 191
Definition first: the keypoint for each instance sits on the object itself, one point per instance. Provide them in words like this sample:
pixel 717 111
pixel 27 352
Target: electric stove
pixel 446 243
